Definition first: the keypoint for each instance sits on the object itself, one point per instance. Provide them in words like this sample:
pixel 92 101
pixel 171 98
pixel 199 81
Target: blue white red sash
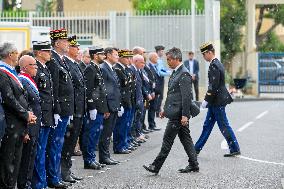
pixel 10 72
pixel 28 78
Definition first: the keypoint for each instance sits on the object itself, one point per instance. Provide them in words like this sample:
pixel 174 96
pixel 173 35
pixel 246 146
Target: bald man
pixel 28 70
pixel 137 65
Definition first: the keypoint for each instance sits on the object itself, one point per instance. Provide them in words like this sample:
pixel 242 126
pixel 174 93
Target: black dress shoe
pixel 100 164
pixel 144 131
pixel 232 154
pixel 69 179
pixel 122 152
pixel 156 129
pixel 76 177
pixel 197 152
pixel 189 169
pixel 114 160
pixel 151 168
pixel 108 162
pixel 66 183
pixel 58 185
pixel 92 166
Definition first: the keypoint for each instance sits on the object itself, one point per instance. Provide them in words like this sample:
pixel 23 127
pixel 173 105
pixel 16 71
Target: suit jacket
pixel 132 81
pixel 125 85
pixel 179 95
pixel 151 82
pixel 63 91
pixel 82 65
pixel 45 87
pixel 195 67
pixel 217 93
pixel 34 103
pixel 2 120
pixel 138 88
pixel 112 87
pixel 158 79
pixel 79 88
pixel 96 91
pixel 15 105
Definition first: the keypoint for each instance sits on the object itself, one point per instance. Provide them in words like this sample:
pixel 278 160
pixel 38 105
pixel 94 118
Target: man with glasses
pixel 28 68
pixel 216 99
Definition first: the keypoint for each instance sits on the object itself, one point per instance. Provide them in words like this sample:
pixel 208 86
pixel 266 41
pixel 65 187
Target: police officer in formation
pixel 73 130
pixel 63 93
pixel 97 108
pixel 44 84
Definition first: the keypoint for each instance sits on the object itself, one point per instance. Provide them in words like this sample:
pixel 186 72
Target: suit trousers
pixel 39 173
pixel 55 144
pixel 131 127
pixel 90 137
pixel 104 140
pixel 10 157
pixel 27 163
pixel 217 113
pixel 196 88
pixel 70 141
pixel 174 128
pixel 138 118
pixel 151 113
pixel 2 123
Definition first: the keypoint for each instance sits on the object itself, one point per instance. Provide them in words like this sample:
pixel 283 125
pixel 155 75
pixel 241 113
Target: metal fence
pixel 128 29
pixel 271 72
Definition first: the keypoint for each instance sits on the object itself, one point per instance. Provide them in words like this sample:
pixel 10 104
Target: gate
pixel 271 72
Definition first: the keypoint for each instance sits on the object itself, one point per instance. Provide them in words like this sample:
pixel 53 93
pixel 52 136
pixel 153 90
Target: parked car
pixel 271 71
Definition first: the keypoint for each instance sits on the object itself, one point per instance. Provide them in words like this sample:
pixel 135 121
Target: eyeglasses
pixel 14 52
pixel 33 64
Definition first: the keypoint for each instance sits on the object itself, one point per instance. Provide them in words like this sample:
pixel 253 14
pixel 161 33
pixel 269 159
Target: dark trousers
pixel 39 173
pixel 2 123
pixel 104 140
pixel 196 89
pixel 55 144
pixel 137 123
pixel 27 163
pixel 131 129
pixel 218 114
pixel 174 128
pixel 151 113
pixel 10 157
pixel 90 137
pixel 70 141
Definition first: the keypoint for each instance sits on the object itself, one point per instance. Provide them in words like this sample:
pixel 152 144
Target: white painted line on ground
pixel 245 126
pixel 260 161
pixel 261 115
pixel 224 145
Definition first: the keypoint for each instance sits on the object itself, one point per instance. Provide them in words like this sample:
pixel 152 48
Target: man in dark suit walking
pixel 177 109
pixel 193 67
pixel 216 99
pixel 114 104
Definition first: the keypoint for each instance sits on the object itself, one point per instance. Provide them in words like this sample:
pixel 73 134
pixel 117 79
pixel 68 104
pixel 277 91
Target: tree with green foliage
pixel 233 18
pixel 45 5
pixel 170 5
pixel 268 41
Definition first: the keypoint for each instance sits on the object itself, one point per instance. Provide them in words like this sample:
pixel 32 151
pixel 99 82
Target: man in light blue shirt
pixel 162 71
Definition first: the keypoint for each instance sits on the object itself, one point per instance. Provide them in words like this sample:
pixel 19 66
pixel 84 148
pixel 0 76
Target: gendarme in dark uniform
pixel 97 108
pixel 74 128
pixel 63 93
pixel 216 99
pixel 44 83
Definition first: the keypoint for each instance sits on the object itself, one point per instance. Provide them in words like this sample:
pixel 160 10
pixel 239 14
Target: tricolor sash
pixel 10 72
pixel 31 82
